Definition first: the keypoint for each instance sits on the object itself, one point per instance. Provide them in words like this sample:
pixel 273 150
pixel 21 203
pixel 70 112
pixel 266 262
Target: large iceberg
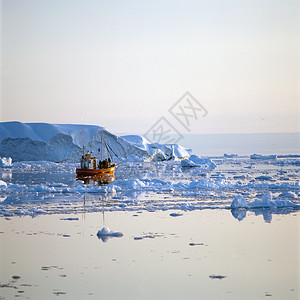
pixel 64 142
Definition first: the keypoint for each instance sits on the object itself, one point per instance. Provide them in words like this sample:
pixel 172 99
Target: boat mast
pixel 102 146
pixel 82 133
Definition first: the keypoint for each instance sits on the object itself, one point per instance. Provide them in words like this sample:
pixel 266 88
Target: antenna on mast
pixel 102 145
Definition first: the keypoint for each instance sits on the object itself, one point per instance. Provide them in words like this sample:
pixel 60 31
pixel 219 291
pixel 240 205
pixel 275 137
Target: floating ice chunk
pixel 259 156
pixel 42 188
pixel 266 202
pixel 239 202
pixel 5 162
pixel 105 233
pixel 230 155
pixel 16 188
pixel 217 276
pixel 130 184
pixel 264 177
pixel 176 214
pixel 196 161
pixel 290 195
pixel 58 184
pixel 242 177
pixel 36 210
pixel 3 185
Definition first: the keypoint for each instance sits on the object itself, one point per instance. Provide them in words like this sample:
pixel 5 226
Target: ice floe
pixel 3 185
pixel 289 195
pixel 265 202
pixel 49 187
pixel 196 161
pixel 105 233
pixel 5 162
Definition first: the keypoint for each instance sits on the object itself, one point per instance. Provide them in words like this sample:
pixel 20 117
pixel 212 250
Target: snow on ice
pixel 63 142
pixel 265 202
pixel 5 162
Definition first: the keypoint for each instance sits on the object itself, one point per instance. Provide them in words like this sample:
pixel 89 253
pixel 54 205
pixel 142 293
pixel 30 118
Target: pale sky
pixel 123 64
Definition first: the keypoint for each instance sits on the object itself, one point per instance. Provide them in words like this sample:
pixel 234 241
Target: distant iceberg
pixel 259 156
pixel 64 142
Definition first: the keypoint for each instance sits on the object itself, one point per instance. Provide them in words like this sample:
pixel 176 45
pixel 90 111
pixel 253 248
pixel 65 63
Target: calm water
pixel 242 144
pixel 65 258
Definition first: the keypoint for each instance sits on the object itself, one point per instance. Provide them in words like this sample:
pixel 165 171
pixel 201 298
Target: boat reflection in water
pixel 103 179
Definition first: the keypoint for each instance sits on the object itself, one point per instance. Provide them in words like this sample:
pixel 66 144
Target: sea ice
pixel 290 195
pixel 105 233
pixel 5 162
pixel 230 155
pixel 259 156
pixel 3 185
pixel 264 177
pixel 196 161
pixel 265 202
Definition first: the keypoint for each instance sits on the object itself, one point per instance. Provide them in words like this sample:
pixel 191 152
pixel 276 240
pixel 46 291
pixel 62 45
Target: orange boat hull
pixel 96 172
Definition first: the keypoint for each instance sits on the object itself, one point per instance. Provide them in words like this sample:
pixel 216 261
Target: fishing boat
pixel 99 168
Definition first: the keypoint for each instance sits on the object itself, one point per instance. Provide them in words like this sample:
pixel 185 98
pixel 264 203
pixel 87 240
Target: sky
pixel 124 64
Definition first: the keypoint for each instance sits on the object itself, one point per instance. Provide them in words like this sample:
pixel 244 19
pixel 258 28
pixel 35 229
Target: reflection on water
pixel 96 179
pixel 202 254
pixel 267 213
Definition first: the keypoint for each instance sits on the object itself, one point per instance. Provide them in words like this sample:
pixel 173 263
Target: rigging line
pixel 105 154
pixel 112 151
pixel 109 154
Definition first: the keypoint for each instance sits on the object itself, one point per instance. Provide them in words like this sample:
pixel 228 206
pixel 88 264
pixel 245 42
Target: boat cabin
pixel 88 162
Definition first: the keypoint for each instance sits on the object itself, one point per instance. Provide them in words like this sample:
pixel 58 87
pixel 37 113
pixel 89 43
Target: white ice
pixel 265 202
pixel 64 142
pixel 196 161
pixel 5 162
pixel 105 231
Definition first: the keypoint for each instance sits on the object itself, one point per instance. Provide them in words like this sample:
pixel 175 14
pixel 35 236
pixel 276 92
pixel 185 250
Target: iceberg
pixel 196 161
pixel 64 143
pixel 259 156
